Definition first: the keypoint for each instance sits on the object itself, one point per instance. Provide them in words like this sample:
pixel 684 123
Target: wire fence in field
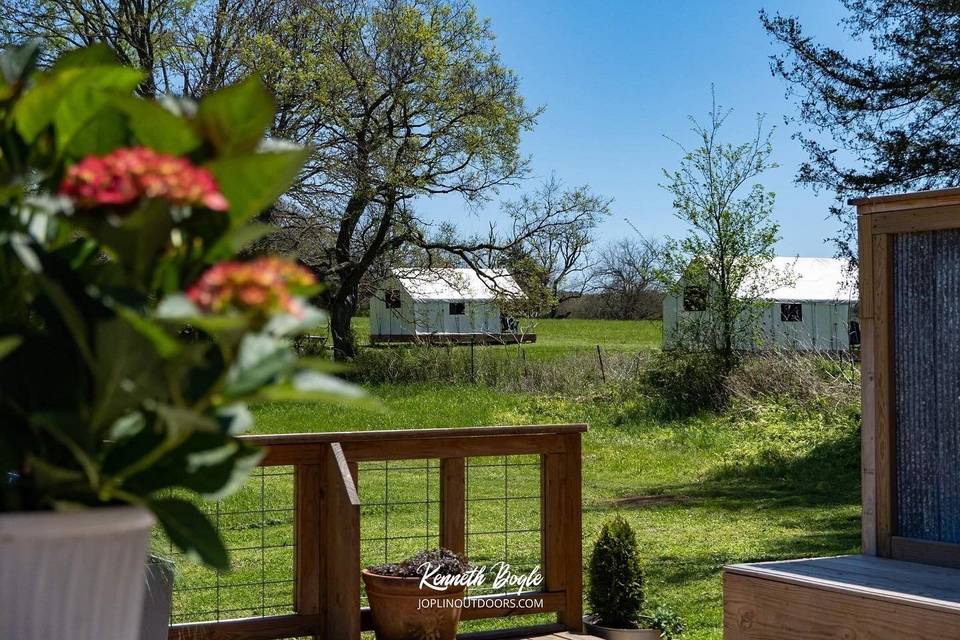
pixel 509 367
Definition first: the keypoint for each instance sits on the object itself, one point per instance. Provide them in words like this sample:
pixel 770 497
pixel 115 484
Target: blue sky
pixel 617 76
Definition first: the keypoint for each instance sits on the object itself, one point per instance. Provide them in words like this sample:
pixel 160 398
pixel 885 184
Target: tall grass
pixel 504 368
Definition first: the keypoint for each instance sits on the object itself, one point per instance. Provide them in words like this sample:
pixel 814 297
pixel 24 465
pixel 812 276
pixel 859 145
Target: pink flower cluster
pixel 125 175
pixel 265 284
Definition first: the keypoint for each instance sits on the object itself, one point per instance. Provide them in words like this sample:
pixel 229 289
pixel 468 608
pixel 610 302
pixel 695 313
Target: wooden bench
pixel 841 598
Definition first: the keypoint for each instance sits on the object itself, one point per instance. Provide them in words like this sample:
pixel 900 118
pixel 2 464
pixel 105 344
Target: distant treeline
pixel 640 305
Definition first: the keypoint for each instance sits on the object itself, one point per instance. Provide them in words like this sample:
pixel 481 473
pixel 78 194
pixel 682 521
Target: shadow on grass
pixel 809 500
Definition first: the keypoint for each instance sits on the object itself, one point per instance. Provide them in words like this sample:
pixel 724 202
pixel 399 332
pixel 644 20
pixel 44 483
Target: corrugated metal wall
pixel 926 301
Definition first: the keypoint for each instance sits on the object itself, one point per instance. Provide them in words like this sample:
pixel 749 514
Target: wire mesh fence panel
pixel 503 509
pixel 503 497
pixel 400 510
pixel 400 515
pixel 256 525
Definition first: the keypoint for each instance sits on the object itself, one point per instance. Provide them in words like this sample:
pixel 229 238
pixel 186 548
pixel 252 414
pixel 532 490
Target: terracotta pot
pixel 610 633
pixel 77 574
pixel 399 614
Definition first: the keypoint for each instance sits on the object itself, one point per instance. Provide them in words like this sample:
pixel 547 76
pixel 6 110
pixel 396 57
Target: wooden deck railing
pixel 326 580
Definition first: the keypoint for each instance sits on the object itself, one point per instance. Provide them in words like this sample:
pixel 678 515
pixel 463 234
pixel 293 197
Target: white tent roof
pixel 813 279
pixel 457 284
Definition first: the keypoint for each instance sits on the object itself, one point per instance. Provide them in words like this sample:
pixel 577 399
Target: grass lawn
pixel 563 336
pixel 701 493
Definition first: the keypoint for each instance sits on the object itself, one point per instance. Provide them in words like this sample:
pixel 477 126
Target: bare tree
pixel 561 253
pixel 627 274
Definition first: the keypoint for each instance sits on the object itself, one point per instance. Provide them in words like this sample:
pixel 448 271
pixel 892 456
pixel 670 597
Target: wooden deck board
pixel 917 584
pixel 565 635
pixel 862 597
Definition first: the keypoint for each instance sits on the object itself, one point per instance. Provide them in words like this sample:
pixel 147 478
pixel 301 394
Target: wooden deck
pixel 456 338
pixel 841 598
pixel 559 635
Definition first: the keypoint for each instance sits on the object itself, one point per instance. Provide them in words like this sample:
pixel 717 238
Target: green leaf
pixel 253 182
pixel 71 316
pixel 314 386
pixel 81 103
pixel 102 133
pixel 285 324
pixel 35 110
pixel 166 346
pixel 318 382
pixel 137 240
pixel 50 476
pixel 9 344
pixel 190 530
pixel 234 119
pixel 128 371
pixel 238 239
pixel 234 418
pixel 260 360
pixel 70 97
pixel 181 423
pixel 177 307
pixel 218 473
pixel 23 246
pixel 157 128
pixel 16 62
pixel 94 55
pixel 127 426
pixel 213 465
pixel 68 430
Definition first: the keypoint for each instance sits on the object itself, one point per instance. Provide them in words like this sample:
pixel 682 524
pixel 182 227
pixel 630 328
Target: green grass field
pixel 762 482
pixel 563 336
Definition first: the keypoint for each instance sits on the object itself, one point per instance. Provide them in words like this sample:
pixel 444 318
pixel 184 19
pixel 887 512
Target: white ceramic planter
pixel 77 575
pixel 619 634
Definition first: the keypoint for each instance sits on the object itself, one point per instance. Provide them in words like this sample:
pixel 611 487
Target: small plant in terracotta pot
pixel 419 598
pixel 616 592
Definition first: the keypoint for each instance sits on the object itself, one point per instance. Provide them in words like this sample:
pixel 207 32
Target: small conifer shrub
pixel 616 578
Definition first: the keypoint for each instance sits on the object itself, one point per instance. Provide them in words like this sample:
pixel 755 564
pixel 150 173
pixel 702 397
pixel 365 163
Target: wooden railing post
pixel 307 558
pixel 340 542
pixel 453 504
pixel 572 614
pixel 561 535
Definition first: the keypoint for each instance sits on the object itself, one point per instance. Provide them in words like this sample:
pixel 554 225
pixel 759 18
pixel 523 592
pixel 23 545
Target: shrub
pixel 667 620
pixel 616 579
pixel 683 383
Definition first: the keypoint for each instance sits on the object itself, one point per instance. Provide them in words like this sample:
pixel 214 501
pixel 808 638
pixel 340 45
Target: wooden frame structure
pixel 902 586
pixel 879 220
pixel 327 524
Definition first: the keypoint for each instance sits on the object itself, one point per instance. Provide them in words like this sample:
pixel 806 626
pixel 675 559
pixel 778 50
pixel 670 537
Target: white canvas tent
pixel 816 309
pixel 451 305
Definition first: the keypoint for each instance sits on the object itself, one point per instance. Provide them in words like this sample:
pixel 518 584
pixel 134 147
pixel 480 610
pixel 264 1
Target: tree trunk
pixel 342 309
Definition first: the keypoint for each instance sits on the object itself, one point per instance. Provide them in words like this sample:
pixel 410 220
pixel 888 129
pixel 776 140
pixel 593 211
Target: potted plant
pixel 405 608
pixel 130 336
pixel 616 590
